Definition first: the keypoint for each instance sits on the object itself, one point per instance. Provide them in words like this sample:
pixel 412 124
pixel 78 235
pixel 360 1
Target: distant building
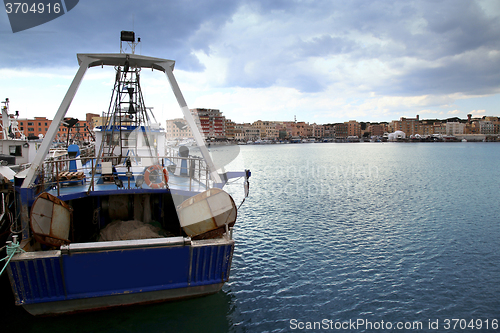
pixel 455 128
pixel 302 129
pixel 439 128
pixel 407 125
pixel 212 123
pixel 487 127
pixel 251 133
pixel 178 129
pixel 39 126
pixel 239 134
pixel 230 129
pixel 281 127
pixel 495 121
pixel 377 129
pixel 426 127
pixel 289 127
pixel 353 128
pixel 329 131
pixel 472 127
pixel 340 131
pixel 267 129
pixel 318 131
pixel 215 126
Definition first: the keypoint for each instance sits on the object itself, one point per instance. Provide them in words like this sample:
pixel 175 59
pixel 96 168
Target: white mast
pixel 54 126
pixel 5 119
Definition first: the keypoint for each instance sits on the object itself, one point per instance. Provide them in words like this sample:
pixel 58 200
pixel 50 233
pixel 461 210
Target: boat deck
pixel 72 189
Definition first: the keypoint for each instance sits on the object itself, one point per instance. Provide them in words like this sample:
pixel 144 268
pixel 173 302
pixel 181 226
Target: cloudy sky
pixel 322 61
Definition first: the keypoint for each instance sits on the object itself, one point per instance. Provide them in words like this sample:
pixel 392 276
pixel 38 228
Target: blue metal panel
pixel 226 264
pixel 210 264
pixel 37 280
pixel 135 270
pixel 93 274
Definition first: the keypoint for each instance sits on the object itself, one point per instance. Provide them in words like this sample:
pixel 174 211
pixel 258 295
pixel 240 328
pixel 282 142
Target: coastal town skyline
pixel 213 124
pixel 324 61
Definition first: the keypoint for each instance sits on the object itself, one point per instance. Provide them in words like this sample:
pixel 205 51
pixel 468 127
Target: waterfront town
pixel 216 127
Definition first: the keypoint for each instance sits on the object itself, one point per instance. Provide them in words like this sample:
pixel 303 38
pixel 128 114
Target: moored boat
pixel 117 229
pixel 16 150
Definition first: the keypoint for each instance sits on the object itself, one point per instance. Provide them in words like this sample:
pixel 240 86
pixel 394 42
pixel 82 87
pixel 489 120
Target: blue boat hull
pixel 94 276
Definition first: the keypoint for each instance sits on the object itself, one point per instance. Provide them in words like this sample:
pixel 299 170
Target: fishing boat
pixel 16 150
pixel 130 225
pixel 16 153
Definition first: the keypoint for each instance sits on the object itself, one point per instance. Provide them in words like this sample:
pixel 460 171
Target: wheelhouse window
pixel 15 151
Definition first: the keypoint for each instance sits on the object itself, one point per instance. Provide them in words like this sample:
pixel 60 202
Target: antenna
pixel 6 102
pixel 129 38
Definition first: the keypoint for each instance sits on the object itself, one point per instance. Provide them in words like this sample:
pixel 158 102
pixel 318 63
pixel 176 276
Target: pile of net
pixel 128 230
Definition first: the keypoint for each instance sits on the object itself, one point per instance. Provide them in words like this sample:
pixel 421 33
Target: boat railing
pixel 193 168
pixel 185 173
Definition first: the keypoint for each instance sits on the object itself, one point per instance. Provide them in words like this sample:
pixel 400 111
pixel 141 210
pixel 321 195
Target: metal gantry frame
pixel 134 61
pixel 127 108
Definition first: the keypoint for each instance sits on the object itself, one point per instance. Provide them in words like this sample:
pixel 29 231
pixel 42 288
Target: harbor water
pixel 351 237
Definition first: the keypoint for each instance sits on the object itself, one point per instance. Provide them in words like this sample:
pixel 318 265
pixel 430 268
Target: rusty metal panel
pixel 50 220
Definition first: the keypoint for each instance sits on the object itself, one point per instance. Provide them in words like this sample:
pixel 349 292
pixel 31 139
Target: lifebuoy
pixel 155 176
pixel 165 175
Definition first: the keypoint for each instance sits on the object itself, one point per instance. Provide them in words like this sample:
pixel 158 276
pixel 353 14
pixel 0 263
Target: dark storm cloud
pixel 477 75
pixel 94 26
pixel 452 28
pixel 450 39
pixel 445 46
pixel 455 41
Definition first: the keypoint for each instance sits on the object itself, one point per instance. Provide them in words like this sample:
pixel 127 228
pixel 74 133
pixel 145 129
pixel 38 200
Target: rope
pixel 17 232
pixel 246 187
pixel 12 249
pixel 241 203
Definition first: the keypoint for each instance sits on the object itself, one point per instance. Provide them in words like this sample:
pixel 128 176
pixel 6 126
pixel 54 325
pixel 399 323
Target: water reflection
pixel 204 314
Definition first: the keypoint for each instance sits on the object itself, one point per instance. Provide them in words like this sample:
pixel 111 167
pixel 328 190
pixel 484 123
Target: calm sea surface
pixel 343 237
